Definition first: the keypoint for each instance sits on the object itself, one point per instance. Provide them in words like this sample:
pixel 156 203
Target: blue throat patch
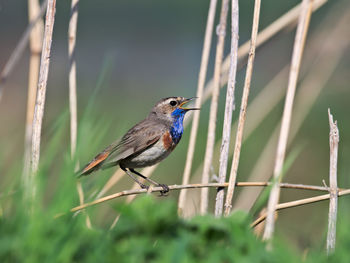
pixel 177 128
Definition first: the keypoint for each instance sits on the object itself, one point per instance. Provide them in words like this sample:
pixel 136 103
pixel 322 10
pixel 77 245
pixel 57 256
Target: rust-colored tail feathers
pixel 95 164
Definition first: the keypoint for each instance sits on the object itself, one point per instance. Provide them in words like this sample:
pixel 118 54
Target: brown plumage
pixel 147 143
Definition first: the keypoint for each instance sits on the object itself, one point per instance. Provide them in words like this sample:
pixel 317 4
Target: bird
pixel 147 143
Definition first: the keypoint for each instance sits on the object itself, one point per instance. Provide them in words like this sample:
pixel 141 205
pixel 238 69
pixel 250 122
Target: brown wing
pixel 138 138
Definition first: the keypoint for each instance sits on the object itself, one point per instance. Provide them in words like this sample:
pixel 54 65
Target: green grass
pixel 149 230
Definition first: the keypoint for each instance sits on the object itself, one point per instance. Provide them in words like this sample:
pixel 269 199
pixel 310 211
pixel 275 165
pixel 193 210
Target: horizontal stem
pixel 191 186
pixel 299 203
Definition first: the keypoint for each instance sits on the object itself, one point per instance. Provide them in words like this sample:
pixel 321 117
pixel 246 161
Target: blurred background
pixel 137 52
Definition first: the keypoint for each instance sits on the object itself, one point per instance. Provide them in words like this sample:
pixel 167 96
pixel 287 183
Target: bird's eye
pixel 173 102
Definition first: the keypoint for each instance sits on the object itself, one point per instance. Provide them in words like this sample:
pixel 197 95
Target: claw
pixel 165 189
pixel 143 186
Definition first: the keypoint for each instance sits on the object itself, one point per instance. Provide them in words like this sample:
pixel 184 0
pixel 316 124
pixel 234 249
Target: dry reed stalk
pixel 35 45
pixel 300 203
pixel 221 32
pixel 41 91
pixel 333 187
pixel 282 22
pixel 201 81
pixel 328 56
pixel 81 201
pixel 300 37
pixel 229 107
pixel 72 32
pixel 19 49
pixel 115 221
pixel 267 33
pixel 259 229
pixel 193 186
pixel 243 110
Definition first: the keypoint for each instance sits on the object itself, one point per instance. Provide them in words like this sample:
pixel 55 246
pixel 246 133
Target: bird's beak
pixel 185 101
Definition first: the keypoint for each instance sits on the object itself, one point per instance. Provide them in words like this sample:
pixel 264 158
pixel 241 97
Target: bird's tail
pixel 94 165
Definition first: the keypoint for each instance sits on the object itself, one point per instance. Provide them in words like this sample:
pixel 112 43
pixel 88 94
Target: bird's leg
pixel 164 186
pixel 143 186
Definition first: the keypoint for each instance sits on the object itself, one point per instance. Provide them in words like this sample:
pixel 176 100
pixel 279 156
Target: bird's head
pixel 172 107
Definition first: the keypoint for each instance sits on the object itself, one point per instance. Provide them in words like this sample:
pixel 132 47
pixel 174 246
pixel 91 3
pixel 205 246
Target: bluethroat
pixel 147 143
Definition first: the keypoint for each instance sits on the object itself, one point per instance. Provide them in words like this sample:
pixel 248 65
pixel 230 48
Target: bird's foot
pixel 143 186
pixel 165 189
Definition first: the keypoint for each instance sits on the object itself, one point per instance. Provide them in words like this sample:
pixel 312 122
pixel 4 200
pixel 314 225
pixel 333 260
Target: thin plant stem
pixel 243 110
pixel 333 187
pixel 229 107
pixel 299 203
pixel 221 31
pixel 20 47
pixel 300 37
pixel 72 31
pixel 35 45
pixel 81 201
pixel 201 81
pixel 194 186
pixel 41 91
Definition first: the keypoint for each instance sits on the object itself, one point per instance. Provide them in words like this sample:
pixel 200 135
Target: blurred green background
pixel 140 51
